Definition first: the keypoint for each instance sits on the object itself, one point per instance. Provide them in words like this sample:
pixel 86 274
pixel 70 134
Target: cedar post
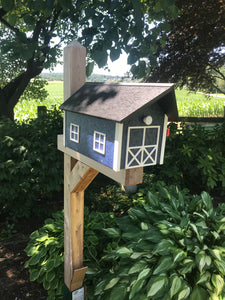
pixel 77 176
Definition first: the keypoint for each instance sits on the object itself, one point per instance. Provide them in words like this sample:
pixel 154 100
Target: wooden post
pixel 77 176
pixel 79 171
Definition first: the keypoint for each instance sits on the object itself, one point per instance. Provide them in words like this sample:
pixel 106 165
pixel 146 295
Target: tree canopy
pixel 32 33
pixel 194 52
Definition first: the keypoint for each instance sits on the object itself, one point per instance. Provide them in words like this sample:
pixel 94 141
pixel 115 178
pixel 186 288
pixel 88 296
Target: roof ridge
pixel 130 84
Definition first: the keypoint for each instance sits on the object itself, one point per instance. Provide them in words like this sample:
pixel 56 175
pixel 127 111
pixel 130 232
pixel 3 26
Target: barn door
pixel 142 146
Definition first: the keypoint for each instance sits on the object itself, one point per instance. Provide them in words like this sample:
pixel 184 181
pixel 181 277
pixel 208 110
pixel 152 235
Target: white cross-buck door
pixel 142 146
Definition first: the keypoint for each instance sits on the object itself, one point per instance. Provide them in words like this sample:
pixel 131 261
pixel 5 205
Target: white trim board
pixel 163 140
pixel 117 147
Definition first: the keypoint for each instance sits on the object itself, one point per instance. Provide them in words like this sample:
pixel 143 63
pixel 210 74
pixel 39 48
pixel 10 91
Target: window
pixel 74 133
pixel 99 142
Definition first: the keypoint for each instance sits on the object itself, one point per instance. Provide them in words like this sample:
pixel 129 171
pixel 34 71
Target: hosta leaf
pixel 204 278
pixel 124 252
pixel 193 226
pixel 165 264
pixel 215 234
pixel 42 238
pixel 184 293
pixel 99 288
pixel 136 288
pixel 144 274
pixel 126 225
pixel 137 267
pixel 118 292
pixel 164 193
pixel 221 266
pixel 34 235
pixel 136 255
pixel 31 250
pixel 157 285
pixel 112 283
pixel 163 247
pixel 178 255
pixel 218 283
pixel 152 199
pixel 199 293
pixel 34 274
pixel 50 264
pixel 144 226
pixel 208 260
pixel 36 258
pixel 50 276
pixel 215 253
pixel 207 201
pixel 112 232
pixel 188 265
pixel 201 260
pixel 175 286
pixel 139 213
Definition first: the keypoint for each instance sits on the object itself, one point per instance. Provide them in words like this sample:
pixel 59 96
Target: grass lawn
pixel 189 104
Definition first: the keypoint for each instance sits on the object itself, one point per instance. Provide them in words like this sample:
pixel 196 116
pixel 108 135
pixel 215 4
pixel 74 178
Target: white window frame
pixel 75 133
pixel 99 142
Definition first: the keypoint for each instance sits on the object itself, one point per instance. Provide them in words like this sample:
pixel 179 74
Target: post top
pixel 75 43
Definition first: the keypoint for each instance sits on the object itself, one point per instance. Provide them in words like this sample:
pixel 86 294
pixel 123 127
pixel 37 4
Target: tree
pixel 194 51
pixel 32 33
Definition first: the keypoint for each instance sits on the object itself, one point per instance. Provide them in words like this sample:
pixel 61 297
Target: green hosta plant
pixel 171 247
pixel 46 250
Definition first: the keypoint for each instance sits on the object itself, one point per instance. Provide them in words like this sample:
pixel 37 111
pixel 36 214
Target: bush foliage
pixel 46 247
pixel 194 158
pixel 31 167
pixel 169 246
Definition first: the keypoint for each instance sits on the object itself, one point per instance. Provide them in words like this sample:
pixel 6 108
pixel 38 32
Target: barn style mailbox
pixel 121 126
pixel 114 129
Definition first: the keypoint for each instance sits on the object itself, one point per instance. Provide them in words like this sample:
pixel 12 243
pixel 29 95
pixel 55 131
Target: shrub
pixel 194 158
pixel 46 247
pixel 171 247
pixel 35 90
pixel 31 167
pixel 46 251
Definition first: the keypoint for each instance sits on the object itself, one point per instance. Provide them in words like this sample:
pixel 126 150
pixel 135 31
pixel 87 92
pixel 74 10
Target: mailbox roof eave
pixel 119 101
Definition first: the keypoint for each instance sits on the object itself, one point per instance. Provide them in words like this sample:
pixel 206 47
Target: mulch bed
pixel 14 278
pixel 15 281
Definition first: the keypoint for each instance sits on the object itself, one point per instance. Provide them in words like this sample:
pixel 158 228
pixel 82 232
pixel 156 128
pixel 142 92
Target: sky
pixel 116 68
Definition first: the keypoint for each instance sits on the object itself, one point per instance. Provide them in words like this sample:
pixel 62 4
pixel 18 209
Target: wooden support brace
pixel 77 177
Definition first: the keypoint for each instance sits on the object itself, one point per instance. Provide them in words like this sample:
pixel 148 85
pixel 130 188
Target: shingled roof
pixel 118 101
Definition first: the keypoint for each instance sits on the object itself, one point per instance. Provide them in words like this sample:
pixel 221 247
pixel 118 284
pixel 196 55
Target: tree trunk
pixel 11 93
pixel 5 109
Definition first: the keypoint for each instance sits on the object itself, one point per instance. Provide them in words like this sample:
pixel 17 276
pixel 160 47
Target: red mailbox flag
pixel 168 132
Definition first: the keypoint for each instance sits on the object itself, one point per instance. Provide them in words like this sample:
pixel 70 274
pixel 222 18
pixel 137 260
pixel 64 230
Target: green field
pixel 189 104
pixel 198 105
